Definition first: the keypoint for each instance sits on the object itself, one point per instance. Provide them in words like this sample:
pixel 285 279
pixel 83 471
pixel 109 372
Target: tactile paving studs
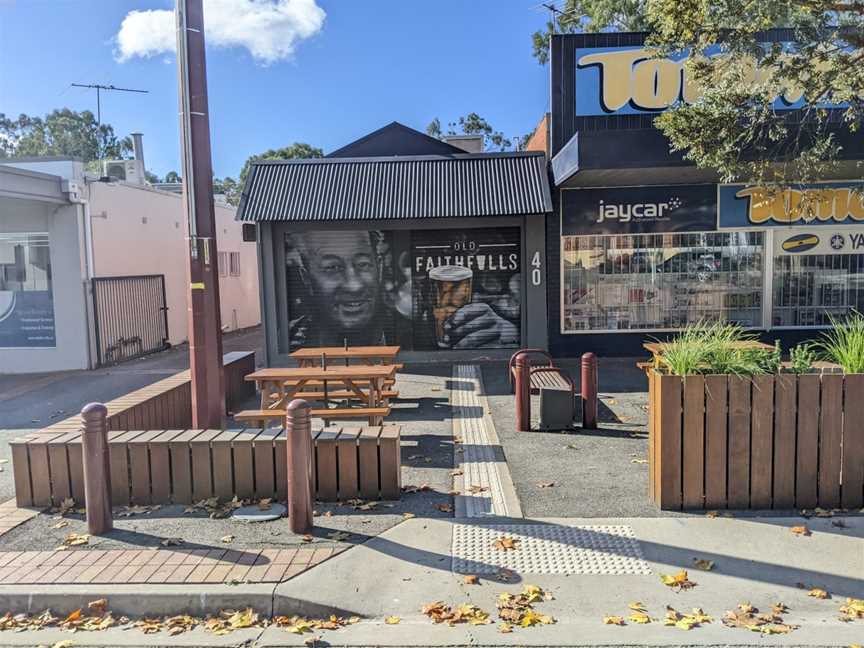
pixel 548 549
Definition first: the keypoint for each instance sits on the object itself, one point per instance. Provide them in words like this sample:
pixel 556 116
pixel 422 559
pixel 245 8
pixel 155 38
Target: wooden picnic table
pixel 370 355
pixel 278 385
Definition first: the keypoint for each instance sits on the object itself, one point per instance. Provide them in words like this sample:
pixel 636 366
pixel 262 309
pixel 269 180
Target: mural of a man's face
pixel 343 273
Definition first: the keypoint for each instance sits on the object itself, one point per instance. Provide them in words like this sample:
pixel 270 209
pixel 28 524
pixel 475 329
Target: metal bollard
pixel 589 391
pixel 97 471
pixel 522 386
pixel 298 430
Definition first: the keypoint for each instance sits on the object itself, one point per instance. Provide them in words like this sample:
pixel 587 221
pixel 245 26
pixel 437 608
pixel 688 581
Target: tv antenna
pixel 99 88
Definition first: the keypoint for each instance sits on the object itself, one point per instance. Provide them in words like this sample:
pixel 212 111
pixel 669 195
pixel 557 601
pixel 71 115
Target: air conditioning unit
pixel 131 171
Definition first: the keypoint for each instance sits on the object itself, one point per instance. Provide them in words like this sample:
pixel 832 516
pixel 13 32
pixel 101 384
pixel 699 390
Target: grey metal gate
pixel 131 317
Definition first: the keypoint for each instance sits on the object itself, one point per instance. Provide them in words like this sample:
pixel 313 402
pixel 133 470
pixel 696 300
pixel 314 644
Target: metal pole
pixel 97 468
pixel 522 385
pixel 589 391
pixel 298 430
pixel 205 326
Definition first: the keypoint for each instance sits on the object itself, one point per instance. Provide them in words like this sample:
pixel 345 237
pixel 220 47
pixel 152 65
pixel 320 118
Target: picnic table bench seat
pixel 263 416
pixel 335 394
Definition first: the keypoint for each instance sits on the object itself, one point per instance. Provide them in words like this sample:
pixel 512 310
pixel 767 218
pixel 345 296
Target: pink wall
pixel 139 230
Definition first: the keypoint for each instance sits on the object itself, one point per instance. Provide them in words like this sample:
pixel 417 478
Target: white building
pixel 83 261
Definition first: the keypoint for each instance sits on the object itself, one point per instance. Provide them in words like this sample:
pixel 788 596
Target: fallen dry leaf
pixel 703 564
pixel 338 536
pixel 307 538
pixel 639 617
pixel 852 610
pixel 444 508
pixel 506 543
pixel 712 514
pixel 474 489
pixel 408 515
pixel 818 593
pixel 505 628
pixel 392 620
pixel 456 473
pixel 76 539
pixel 800 530
pixel 470 579
pixel 171 542
pixel 265 504
pixel 227 539
pixel 545 484
pixel 60 524
pixel 679 581
pixel 614 620
pixel 639 461
pixel 98 606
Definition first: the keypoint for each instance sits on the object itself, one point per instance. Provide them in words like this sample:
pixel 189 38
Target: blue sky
pixel 372 62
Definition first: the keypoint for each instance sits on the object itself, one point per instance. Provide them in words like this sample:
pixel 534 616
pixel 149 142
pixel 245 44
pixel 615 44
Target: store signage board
pixel 639 210
pixel 818 241
pixel 824 204
pixel 631 81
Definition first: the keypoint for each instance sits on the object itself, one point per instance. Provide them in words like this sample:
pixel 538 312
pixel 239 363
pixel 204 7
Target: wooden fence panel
pixel 223 472
pixel 738 488
pixel 160 466
pixel 58 457
pixel 139 467
pixel 367 452
pixel 669 451
pixel 693 440
pixel 830 440
pixel 346 451
pixel 181 465
pixel 202 471
pixel 808 441
pixel 785 440
pixel 325 452
pixel 265 468
pixel 716 394
pixel 852 489
pixel 244 473
pixel 761 441
pixel 39 469
pixel 652 437
pixel 390 464
pixel 21 473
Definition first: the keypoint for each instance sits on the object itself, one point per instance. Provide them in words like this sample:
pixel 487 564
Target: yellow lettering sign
pixel 634 77
pixel 807 205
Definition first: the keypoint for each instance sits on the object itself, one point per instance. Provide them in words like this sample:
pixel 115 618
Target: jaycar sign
pixel 639 210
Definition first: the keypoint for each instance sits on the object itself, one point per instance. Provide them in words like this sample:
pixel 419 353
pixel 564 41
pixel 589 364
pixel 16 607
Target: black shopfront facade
pixel 642 243
pixel 401 239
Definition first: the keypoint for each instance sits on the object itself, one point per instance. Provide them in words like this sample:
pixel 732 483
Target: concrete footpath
pixel 592 567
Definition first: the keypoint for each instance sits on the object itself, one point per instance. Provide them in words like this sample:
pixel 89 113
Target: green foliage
pixel 715 348
pixel 297 150
pixel 590 16
pixel 802 357
pixel 61 132
pixel 843 344
pixel 473 124
pixel 733 128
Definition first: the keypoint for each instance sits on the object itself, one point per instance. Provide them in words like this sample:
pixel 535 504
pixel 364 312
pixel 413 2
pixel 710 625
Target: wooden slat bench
pixel 186 466
pixel 262 417
pixel 540 379
pixel 336 394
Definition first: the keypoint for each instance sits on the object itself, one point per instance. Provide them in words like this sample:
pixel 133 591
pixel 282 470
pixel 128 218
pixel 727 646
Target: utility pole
pixel 99 88
pixel 205 327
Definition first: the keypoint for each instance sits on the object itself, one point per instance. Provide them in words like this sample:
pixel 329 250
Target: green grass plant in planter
pixel 714 348
pixel 801 358
pixel 844 343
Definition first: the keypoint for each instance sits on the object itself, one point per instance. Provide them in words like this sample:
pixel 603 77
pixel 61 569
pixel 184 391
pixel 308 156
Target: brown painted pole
pixel 205 327
pixel 97 470
pixel 589 391
pixel 522 385
pixel 298 430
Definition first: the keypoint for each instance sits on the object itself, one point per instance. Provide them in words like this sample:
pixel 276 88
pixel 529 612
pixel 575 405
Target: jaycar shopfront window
pixel 648 258
pixel 661 281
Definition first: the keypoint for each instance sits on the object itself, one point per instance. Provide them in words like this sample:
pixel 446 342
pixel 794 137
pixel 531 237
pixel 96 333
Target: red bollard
pixel 298 430
pixel 589 391
pixel 97 468
pixel 522 387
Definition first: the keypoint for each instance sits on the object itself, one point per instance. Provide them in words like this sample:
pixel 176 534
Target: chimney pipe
pixel 138 147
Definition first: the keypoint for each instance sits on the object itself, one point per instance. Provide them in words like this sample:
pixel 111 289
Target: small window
pixel 234 259
pixel 222 261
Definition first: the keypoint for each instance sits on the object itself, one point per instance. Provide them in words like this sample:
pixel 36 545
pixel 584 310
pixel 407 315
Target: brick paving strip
pixel 120 566
pixel 11 516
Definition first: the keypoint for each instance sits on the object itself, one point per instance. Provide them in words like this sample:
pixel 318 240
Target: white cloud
pixel 269 29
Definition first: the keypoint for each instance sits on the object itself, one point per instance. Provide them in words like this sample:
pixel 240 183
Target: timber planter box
pixel 779 441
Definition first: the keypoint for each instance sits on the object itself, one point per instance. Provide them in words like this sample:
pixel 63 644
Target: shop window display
pixel 810 289
pixel 645 282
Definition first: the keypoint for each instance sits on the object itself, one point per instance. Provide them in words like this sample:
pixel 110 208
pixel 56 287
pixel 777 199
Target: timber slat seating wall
pixel 186 466
pixel 772 441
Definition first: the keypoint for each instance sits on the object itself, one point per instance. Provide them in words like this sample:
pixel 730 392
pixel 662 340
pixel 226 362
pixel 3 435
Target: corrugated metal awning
pixel 379 188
